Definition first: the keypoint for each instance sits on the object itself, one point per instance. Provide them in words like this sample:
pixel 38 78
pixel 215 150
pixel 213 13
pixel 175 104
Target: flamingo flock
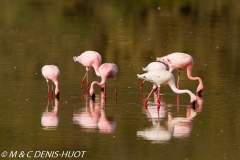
pixel 156 73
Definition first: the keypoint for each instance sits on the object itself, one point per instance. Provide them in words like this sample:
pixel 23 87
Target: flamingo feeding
pixel 51 72
pixel 152 67
pixel 89 59
pixel 106 70
pixel 181 61
pixel 161 77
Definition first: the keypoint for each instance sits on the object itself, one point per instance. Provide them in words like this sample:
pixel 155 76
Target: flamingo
pixel 152 67
pixel 181 61
pixel 106 70
pixel 161 77
pixel 89 59
pixel 51 72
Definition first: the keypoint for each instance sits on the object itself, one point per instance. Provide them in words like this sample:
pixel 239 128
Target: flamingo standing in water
pixel 89 59
pixel 106 70
pixel 161 77
pixel 51 72
pixel 153 66
pixel 181 61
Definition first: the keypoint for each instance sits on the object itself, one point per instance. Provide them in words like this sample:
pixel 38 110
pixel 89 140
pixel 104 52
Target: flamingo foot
pixel 199 93
pixel 192 105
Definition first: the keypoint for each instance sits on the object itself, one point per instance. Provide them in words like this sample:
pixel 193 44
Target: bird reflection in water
pixel 50 119
pixel 164 128
pixel 93 117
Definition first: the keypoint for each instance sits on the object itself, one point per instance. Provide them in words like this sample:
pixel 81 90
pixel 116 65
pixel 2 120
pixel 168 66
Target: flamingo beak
pixel 57 96
pixel 93 96
pixel 199 93
pixel 192 105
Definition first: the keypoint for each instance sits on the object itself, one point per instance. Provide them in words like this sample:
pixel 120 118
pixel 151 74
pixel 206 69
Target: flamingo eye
pixel 144 76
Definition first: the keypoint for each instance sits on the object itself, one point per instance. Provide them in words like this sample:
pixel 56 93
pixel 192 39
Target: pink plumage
pixel 89 59
pixel 106 70
pixel 52 72
pixel 153 66
pixel 181 61
pixel 162 77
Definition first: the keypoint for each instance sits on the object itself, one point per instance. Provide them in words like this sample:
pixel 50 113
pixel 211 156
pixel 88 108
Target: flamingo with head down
pixel 181 61
pixel 106 70
pixel 162 77
pixel 89 59
pixel 153 66
pixel 51 72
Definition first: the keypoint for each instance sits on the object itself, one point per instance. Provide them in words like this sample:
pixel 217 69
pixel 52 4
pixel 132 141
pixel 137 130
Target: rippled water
pixel 131 35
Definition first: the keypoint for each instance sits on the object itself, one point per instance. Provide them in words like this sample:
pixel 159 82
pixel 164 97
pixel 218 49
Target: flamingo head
pixel 75 59
pixel 145 76
pixel 142 76
pixel 162 59
pixel 192 104
pixel 199 93
pixel 91 92
pixel 57 90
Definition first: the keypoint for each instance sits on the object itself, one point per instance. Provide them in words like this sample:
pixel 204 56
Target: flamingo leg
pixel 103 89
pixel 115 88
pixel 83 79
pixel 47 85
pixel 49 92
pixel 86 74
pixel 105 92
pixel 87 82
pixel 149 96
pixel 178 82
pixel 141 84
pixel 158 96
pixel 52 87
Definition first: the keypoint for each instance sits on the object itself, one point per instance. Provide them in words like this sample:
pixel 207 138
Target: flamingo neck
pixel 96 69
pixel 96 83
pixel 57 90
pixel 189 74
pixel 179 91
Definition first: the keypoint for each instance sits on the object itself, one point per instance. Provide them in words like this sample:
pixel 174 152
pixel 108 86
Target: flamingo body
pixel 162 77
pixel 89 59
pixel 51 72
pixel 181 61
pixel 106 70
pixel 153 66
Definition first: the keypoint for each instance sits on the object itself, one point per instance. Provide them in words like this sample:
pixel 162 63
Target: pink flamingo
pixel 161 77
pixel 89 59
pixel 181 61
pixel 51 72
pixel 106 70
pixel 152 67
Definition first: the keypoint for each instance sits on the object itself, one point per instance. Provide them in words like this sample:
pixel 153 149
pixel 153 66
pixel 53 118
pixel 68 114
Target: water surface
pixel 131 35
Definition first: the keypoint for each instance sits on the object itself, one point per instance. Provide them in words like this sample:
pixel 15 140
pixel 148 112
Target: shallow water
pixel 131 35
